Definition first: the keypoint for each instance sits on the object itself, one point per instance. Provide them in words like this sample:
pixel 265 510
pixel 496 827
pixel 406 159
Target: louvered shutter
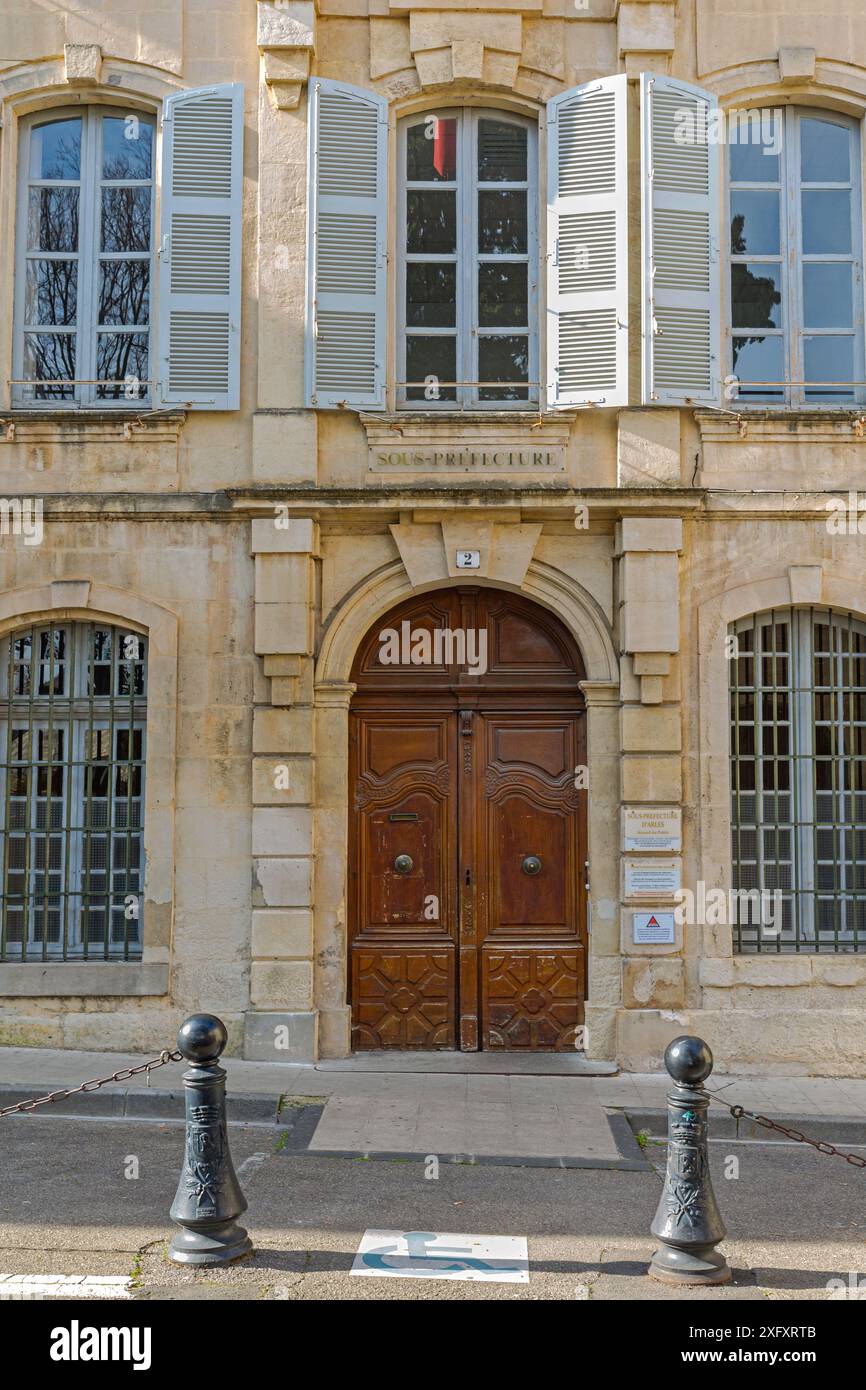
pixel 587 245
pixel 346 247
pixel 680 229
pixel 200 249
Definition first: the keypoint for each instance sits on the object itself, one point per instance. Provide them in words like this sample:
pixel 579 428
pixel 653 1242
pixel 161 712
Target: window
pixel 72 730
pixel 796 260
pixel 467 290
pixel 85 237
pixel 798 777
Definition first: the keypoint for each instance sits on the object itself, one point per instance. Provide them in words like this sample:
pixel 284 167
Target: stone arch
pixel 89 601
pixel 385 588
pixel 794 586
pixel 344 630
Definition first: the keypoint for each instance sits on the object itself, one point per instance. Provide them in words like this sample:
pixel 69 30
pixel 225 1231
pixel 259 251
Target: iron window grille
pixel 72 727
pixel 798 778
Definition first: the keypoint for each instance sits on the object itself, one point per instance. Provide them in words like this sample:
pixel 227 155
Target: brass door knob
pixel 404 864
pixel 531 864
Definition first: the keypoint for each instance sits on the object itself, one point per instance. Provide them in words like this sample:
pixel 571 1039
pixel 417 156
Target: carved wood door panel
pixel 403 955
pixel 530 859
pixel 467 835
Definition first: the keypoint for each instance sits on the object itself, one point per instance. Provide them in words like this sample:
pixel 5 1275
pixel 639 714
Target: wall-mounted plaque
pixel 652 828
pixel 652 878
pixel 653 928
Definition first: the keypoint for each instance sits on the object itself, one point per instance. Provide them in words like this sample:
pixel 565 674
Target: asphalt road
pixel 92 1197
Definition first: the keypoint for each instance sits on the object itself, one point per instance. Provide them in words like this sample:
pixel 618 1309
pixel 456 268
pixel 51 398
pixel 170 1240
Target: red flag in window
pixel 445 148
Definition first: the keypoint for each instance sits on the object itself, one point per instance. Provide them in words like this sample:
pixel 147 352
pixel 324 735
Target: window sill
pixel 82 979
pixel 447 419
pixel 30 425
pixel 753 424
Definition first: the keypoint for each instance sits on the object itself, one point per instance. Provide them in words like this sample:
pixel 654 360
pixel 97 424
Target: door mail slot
pixel 403 815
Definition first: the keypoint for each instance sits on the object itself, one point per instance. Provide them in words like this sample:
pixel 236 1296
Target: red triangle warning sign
pixel 652 922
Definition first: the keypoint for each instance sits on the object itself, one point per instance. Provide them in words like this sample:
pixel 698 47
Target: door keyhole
pixel 468 878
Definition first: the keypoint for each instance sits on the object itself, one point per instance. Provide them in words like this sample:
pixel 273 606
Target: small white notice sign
pixel 653 928
pixel 652 828
pixel 652 878
pixel 443 1255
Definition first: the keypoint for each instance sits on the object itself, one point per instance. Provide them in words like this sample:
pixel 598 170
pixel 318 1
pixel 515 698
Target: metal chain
pixel 123 1075
pixel 822 1145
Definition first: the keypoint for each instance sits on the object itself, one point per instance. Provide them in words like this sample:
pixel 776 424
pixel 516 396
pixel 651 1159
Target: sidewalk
pixel 529 1109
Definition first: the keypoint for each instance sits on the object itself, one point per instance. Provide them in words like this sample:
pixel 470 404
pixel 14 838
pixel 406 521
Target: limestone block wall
pixel 282 1022
pixel 187 581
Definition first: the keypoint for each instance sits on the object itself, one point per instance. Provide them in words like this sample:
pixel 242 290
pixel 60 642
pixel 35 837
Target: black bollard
pixel 209 1199
pixel 687 1221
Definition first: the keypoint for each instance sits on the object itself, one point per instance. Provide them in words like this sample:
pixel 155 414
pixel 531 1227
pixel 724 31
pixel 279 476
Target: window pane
pixel 55 150
pixel 431 150
pixel 52 219
pixel 754 154
pixel 124 292
pixel 824 152
pixel 51 292
pixel 126 147
pixel 503 359
pixel 829 358
pixel 431 223
pixel 502 295
pixel 50 357
pixel 754 223
pixel 122 357
pixel 759 359
pixel 501 152
pixel 125 219
pixel 502 225
pixel 827 221
pixel 828 300
pixel 431 296
pixel 433 358
pixel 756 295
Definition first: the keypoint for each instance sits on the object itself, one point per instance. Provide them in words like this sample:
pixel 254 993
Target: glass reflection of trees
pixel 758 291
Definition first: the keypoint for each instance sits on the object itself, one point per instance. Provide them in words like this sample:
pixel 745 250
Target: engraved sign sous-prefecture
pixel 467 460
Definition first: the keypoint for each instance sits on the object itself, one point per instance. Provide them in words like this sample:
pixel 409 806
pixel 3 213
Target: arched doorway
pixel 467 827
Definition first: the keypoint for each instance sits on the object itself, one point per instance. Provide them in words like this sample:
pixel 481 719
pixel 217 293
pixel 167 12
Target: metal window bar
pixel 67 739
pixel 798 778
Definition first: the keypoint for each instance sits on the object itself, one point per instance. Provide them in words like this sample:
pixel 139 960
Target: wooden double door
pixel 467 836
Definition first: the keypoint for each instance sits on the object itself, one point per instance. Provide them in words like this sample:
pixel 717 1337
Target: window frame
pixel 793 332
pixel 88 257
pixel 467 331
pixel 808 819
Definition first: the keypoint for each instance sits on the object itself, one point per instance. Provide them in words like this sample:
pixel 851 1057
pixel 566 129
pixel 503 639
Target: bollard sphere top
pixel 201 1038
pixel 688 1060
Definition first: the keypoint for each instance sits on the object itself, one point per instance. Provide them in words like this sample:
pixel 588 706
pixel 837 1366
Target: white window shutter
pixel 346 247
pixel 587 245
pixel 200 249
pixel 680 241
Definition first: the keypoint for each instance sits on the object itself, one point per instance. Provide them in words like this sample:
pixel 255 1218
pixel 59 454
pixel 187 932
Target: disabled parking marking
pixel 443 1255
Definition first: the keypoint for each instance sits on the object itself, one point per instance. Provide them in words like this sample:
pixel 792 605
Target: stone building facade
pixel 233 215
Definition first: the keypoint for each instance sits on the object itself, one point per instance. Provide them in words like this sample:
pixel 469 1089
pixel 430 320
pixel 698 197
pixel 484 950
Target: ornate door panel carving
pixel 404 860
pixel 530 896
pixel 467 838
